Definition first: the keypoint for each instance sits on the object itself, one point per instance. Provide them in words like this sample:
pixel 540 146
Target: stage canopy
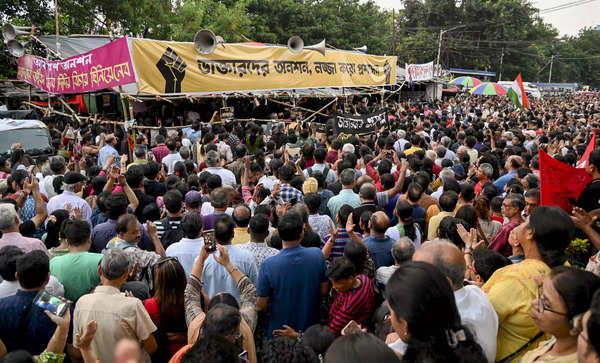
pixel 150 67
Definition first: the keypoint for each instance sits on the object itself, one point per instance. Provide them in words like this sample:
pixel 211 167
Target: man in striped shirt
pixel 355 299
pixel 338 242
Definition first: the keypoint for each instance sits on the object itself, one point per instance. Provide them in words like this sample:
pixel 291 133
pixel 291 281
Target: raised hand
pixel 350 224
pixel 61 321
pixel 151 228
pixel 582 219
pixel 84 340
pixel 172 67
pixel 223 257
pixel 287 331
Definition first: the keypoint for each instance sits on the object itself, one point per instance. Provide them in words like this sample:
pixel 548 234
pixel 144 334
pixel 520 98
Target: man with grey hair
pixel 484 175
pixel 476 311
pixel 72 184
pixel 58 167
pixel 119 316
pixel 140 156
pixel 401 142
pixel 445 174
pixel 402 251
pixel 450 155
pixel 213 162
pixel 9 225
pixel 345 196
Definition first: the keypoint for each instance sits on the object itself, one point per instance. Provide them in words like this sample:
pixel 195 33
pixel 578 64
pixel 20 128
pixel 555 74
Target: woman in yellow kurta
pixel 562 299
pixel 544 237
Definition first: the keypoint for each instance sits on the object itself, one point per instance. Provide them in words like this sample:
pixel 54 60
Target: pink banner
pixel 106 66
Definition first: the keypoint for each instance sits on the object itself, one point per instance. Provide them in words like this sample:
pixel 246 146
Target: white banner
pixel 419 72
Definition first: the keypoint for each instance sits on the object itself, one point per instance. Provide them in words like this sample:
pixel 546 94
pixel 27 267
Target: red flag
pixel 582 163
pixel 560 182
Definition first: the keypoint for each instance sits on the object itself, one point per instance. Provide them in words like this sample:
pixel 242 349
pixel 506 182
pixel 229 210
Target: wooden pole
pixel 57 28
pixel 321 109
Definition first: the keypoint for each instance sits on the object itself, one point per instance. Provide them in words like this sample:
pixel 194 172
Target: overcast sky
pixel 567 21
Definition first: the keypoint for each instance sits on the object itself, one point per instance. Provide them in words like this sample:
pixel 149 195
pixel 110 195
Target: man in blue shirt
pixel 24 325
pixel 512 164
pixel 380 245
pixel 215 277
pixel 293 280
pixel 109 149
pixel 346 195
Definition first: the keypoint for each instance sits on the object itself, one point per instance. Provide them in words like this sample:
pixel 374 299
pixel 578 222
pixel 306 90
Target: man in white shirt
pixel 72 184
pixel 173 156
pixel 476 311
pixel 190 246
pixel 212 161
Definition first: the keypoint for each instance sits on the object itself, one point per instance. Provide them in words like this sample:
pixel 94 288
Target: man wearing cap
pixel 72 184
pixel 118 316
pixel 212 161
pixel 109 149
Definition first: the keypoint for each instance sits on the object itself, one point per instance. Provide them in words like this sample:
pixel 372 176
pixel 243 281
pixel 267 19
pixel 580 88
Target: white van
pixel 32 134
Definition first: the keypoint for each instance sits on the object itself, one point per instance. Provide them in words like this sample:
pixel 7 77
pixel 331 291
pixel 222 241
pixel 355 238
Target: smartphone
pixel 351 328
pixel 55 305
pixel 210 243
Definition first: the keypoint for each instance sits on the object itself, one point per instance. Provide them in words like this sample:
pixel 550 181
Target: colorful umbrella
pixel 466 81
pixel 489 89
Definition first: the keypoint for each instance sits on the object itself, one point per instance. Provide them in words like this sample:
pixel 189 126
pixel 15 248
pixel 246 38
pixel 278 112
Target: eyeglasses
pixel 542 307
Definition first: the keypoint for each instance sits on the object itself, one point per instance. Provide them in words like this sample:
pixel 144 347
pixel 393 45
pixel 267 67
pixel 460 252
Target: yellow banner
pixel 175 67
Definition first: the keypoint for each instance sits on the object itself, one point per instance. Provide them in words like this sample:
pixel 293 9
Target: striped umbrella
pixel 466 81
pixel 489 89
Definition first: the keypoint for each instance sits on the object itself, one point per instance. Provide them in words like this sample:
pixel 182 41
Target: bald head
pixel 367 192
pixel 364 179
pixel 241 215
pixel 379 223
pixel 446 256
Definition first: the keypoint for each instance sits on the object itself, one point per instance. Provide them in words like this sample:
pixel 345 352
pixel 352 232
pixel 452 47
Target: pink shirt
pixel 25 243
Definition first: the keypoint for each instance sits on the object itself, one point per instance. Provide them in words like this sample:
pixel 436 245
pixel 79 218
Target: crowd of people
pixel 424 241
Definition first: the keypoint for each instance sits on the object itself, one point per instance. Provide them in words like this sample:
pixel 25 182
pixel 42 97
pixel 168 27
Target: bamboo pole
pixel 321 109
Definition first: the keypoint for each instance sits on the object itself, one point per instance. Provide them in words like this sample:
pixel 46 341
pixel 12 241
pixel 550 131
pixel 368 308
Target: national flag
pixel 517 94
pixel 560 183
pixel 450 121
pixel 582 163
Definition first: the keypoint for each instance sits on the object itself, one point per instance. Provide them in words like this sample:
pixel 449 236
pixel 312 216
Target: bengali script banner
pixel 419 72
pixel 106 66
pixel 173 67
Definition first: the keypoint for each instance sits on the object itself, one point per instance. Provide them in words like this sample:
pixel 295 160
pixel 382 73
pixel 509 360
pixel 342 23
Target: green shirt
pixel 138 162
pixel 78 272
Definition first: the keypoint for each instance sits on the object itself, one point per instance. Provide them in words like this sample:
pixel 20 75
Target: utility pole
pixel 440 41
pixel 439 47
pixel 550 75
pixel 57 30
pixel 501 65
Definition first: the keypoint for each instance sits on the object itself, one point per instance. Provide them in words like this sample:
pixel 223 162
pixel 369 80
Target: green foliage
pixel 577 247
pixel 488 29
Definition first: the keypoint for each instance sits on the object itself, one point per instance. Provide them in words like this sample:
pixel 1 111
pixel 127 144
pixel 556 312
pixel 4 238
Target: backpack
pixel 325 172
pixel 171 234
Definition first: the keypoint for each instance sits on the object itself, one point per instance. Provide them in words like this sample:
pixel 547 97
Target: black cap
pixel 72 177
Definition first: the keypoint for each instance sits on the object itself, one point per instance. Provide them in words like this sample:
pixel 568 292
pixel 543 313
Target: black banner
pixel 362 124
